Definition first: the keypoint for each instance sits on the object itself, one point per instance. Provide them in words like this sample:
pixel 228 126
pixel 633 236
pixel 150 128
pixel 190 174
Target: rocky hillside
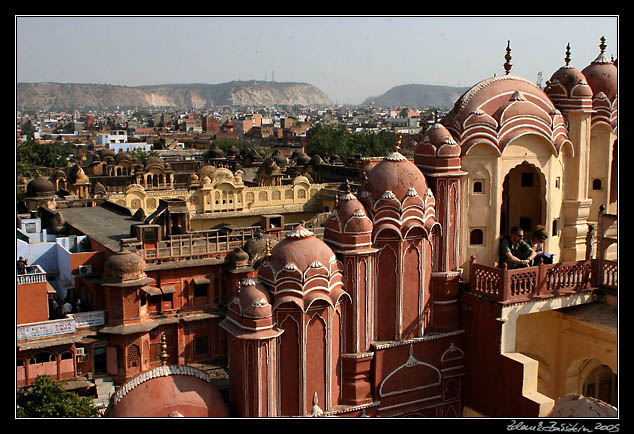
pixel 419 95
pixel 64 96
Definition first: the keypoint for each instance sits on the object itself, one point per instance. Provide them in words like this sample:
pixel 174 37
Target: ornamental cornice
pixel 160 371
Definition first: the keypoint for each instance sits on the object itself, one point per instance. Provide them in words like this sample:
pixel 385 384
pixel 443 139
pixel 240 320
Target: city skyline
pixel 350 58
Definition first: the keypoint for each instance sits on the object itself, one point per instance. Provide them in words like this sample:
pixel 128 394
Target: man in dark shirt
pixel 514 251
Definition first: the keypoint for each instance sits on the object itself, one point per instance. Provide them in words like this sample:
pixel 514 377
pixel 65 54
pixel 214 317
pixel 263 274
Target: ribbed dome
pixel 303 159
pixel 238 257
pixel 489 94
pixel 300 250
pixel 122 156
pixel 254 299
pixel 349 217
pixel 168 391
pixel 207 171
pixel 124 266
pixel 500 109
pixel 570 82
pixel 280 160
pixel 154 162
pixel 394 177
pixel 602 74
pixel 302 270
pixel 438 141
pixel 40 186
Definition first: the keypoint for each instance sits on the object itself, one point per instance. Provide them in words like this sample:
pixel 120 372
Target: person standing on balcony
pixel 514 251
pixel 21 265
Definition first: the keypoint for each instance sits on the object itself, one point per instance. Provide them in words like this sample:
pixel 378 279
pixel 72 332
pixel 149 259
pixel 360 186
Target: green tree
pixel 30 155
pixel 47 398
pixel 226 143
pixel 28 129
pixel 141 156
pixel 329 139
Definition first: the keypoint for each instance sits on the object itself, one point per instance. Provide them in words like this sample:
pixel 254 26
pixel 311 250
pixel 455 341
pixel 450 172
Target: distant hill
pixel 69 95
pixel 419 95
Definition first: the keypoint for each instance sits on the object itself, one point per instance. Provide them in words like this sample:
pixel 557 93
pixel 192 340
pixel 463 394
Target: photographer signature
pixel 554 426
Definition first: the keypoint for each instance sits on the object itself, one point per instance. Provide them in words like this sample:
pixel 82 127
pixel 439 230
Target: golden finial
pixel 268 247
pixel 567 58
pixel 602 45
pixel 508 64
pixel 399 140
pixel 164 355
pixel 347 187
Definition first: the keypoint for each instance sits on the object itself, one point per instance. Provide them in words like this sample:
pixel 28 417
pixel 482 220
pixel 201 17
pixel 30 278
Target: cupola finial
pixel 508 64
pixel 268 247
pixel 567 58
pixel 164 355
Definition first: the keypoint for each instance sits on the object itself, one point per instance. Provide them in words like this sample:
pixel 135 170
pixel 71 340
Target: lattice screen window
pixel 134 356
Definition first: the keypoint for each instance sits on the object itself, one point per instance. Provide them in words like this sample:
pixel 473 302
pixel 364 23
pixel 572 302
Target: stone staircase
pixel 105 389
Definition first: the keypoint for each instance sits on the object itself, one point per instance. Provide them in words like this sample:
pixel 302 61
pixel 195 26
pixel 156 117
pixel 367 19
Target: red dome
pixel 301 270
pixel 165 391
pixel 438 141
pixel 395 177
pixel 602 77
pixel 498 110
pixel 349 217
pixel 348 225
pixel 254 299
pixel 300 250
pixel 602 74
pixel 488 95
pixel 568 81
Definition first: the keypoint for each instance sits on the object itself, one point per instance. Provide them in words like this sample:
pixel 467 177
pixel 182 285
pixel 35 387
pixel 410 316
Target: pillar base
pixel 356 385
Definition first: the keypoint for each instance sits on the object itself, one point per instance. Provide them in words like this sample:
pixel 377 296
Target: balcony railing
pixel 541 281
pixel 32 274
pixel 208 243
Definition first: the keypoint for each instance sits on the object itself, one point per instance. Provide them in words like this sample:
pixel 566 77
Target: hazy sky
pixel 350 58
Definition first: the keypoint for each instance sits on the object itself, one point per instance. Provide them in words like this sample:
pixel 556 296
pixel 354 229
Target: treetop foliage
pixel 330 139
pixel 47 398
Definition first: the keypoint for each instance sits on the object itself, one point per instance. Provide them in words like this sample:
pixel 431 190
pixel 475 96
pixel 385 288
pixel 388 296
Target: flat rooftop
pixel 104 224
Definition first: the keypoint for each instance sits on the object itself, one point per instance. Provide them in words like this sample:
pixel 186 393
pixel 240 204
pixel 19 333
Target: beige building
pixel 218 194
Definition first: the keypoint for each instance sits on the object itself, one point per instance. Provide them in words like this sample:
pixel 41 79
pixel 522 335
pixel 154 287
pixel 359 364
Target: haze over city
pixel 350 58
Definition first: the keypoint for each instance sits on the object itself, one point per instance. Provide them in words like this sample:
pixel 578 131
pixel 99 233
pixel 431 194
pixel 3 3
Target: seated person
pixel 514 251
pixel 537 241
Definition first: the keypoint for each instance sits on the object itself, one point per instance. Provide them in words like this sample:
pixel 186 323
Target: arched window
pixel 67 355
pixel 42 357
pixel 478 187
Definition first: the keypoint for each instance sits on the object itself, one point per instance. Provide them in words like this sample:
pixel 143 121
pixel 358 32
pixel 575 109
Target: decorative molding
pixel 159 371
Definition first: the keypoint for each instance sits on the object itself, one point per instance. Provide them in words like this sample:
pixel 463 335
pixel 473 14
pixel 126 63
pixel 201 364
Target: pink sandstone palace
pixel 398 308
